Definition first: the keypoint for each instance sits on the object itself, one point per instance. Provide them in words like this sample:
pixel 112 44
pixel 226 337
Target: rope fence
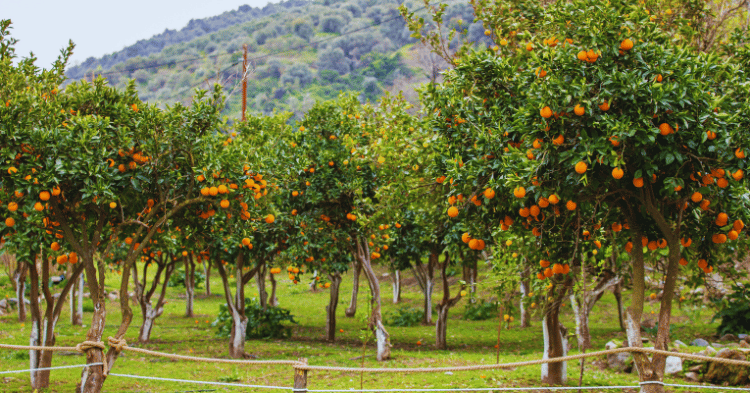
pixel 301 368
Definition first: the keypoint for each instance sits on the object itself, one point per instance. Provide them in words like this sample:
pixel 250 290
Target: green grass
pixel 470 342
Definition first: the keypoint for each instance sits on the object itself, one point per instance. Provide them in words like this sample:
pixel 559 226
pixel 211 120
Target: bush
pixel 734 311
pixel 260 323
pixel 405 317
pixel 480 311
pixel 177 279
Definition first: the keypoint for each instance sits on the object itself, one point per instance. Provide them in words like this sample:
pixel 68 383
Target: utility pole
pixel 244 81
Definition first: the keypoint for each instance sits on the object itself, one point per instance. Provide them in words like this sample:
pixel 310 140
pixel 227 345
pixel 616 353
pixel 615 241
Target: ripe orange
pixel 224 203
pixel 739 153
pixel 553 199
pixel 12 206
pixel 546 112
pixel 55 246
pixel 213 191
pixel 696 197
pixel 62 259
pixel 722 219
pixel 548 272
pixel 579 110
pixel 626 44
pixel 544 263
pixel 702 263
pixel 722 183
pixel 270 219
pixel 738 225
pixel 524 212
pixel 44 195
pixel 582 56
pixel 604 106
pixel 489 193
pixel 705 204
pixel 617 173
pixel 465 237
pixel 559 140
pixel 711 135
pixel 683 261
pixel 519 192
pixel 529 47
pixel 638 182
pixel 733 235
pixel 665 129
pixel 38 206
pixel 557 269
pixel 719 238
pixel 581 167
pixel 112 205
pixel 452 211
pixel 571 205
pixel 738 175
pixel 205 191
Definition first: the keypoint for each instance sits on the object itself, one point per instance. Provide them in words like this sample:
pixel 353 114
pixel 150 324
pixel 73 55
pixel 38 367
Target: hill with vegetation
pixel 298 52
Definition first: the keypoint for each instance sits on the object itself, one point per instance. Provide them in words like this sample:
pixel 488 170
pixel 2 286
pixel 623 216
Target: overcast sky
pixel 98 27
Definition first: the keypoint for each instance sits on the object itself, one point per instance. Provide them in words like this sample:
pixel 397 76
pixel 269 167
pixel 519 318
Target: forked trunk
pixel 331 307
pixel 272 300
pixel 92 377
pixel 428 277
pixel 149 314
pixel 314 283
pixel 19 277
pixel 445 304
pixel 376 317
pixel 149 311
pixel 236 305
pixel 581 314
pixel 237 336
pixel 352 309
pixel 189 285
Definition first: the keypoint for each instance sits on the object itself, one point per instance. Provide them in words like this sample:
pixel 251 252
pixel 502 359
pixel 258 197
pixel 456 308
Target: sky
pixel 99 27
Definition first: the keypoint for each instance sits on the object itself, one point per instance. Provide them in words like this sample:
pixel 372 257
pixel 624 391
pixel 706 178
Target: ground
pixel 470 342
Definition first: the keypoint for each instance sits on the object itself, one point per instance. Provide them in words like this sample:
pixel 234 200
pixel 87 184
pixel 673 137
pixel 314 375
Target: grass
pixel 470 342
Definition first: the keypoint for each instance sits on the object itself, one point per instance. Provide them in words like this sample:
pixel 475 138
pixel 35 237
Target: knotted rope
pixel 88 345
pixel 117 343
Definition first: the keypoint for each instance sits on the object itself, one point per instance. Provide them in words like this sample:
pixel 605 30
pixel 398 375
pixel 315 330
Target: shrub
pixel 480 311
pixel 177 279
pixel 268 323
pixel 734 311
pixel 404 317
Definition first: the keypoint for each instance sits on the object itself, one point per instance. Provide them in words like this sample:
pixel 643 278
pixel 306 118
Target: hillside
pixel 298 51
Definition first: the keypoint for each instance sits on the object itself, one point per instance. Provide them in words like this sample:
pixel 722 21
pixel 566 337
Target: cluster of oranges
pixel 474 244
pixel 548 271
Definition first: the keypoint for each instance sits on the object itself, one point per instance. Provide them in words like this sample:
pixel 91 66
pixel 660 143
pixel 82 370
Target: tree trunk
pixel 617 291
pixel 189 285
pixel 352 309
pixel 331 307
pixel 555 336
pixel 396 277
pixel 314 283
pixel 19 276
pixel 76 301
pixel 149 314
pixel 583 304
pixel 525 285
pixel 236 306
pixel 429 282
pixel 260 279
pixel 207 273
pixel 445 304
pixel 272 300
pixel 92 377
pixel 470 275
pixel 376 317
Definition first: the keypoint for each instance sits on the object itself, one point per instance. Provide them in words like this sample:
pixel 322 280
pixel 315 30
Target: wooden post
pixel 300 378
pixel 244 81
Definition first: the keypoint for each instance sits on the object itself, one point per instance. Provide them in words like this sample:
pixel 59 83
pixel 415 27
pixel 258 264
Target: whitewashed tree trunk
pixel 555 340
pixel 376 317
pixel 189 286
pixel 525 314
pixel 396 277
pixel 313 282
pixel 237 336
pixel 207 273
pixel 149 316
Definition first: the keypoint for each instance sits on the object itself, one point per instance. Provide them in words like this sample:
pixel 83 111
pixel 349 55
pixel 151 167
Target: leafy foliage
pixel 734 312
pixel 177 279
pixel 480 311
pixel 404 317
pixel 268 323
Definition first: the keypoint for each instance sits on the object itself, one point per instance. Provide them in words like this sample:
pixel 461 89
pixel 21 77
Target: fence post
pixel 300 377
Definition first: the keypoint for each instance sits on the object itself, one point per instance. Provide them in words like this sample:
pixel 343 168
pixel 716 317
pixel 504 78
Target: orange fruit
pixel 683 261
pixel 665 129
pixel 112 205
pixel 465 237
pixel 39 207
pixel 12 206
pixel 557 269
pixel 582 56
pixel 652 245
pixel 733 235
pixel 519 192
pixel 738 175
pixel 55 246
pixel 686 242
pixel 702 263
pixel 581 167
pixel 544 263
pixel 62 259
pixel 559 140
pixel 44 195
pixel 738 225
pixel 696 197
pixel 224 203
pixel 711 135
pixel 617 173
pixel 543 202
pixel 722 219
pixel 452 211
pixel 722 183
pixel 489 193
pixel 548 272
pixel 705 204
pixel 638 182
pixel 739 153
pixel 604 106
pixel 571 205
pixel 546 112
pixel 626 44
pixel 213 191
pixel 579 110
pixel 524 212
pixel 270 219
pixel 205 191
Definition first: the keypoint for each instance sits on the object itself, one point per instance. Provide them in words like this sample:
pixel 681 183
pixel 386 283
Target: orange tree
pixel 340 183
pixel 606 112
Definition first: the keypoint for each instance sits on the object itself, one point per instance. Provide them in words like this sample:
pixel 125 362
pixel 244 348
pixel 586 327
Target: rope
pixel 81 347
pixel 201 382
pixel 480 389
pixel 87 345
pixel 300 366
pixel 49 368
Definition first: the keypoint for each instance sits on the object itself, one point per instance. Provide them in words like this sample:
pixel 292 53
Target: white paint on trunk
pixel 565 353
pixel 632 330
pixel 545 355
pixel 396 286
pixel 524 295
pixel 80 298
pixel 34 355
pixel 149 316
pixel 20 290
pixel 382 342
pixel 238 335
pixel 578 314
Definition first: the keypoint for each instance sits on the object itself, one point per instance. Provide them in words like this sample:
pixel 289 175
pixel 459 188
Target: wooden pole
pixel 244 81
pixel 300 378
